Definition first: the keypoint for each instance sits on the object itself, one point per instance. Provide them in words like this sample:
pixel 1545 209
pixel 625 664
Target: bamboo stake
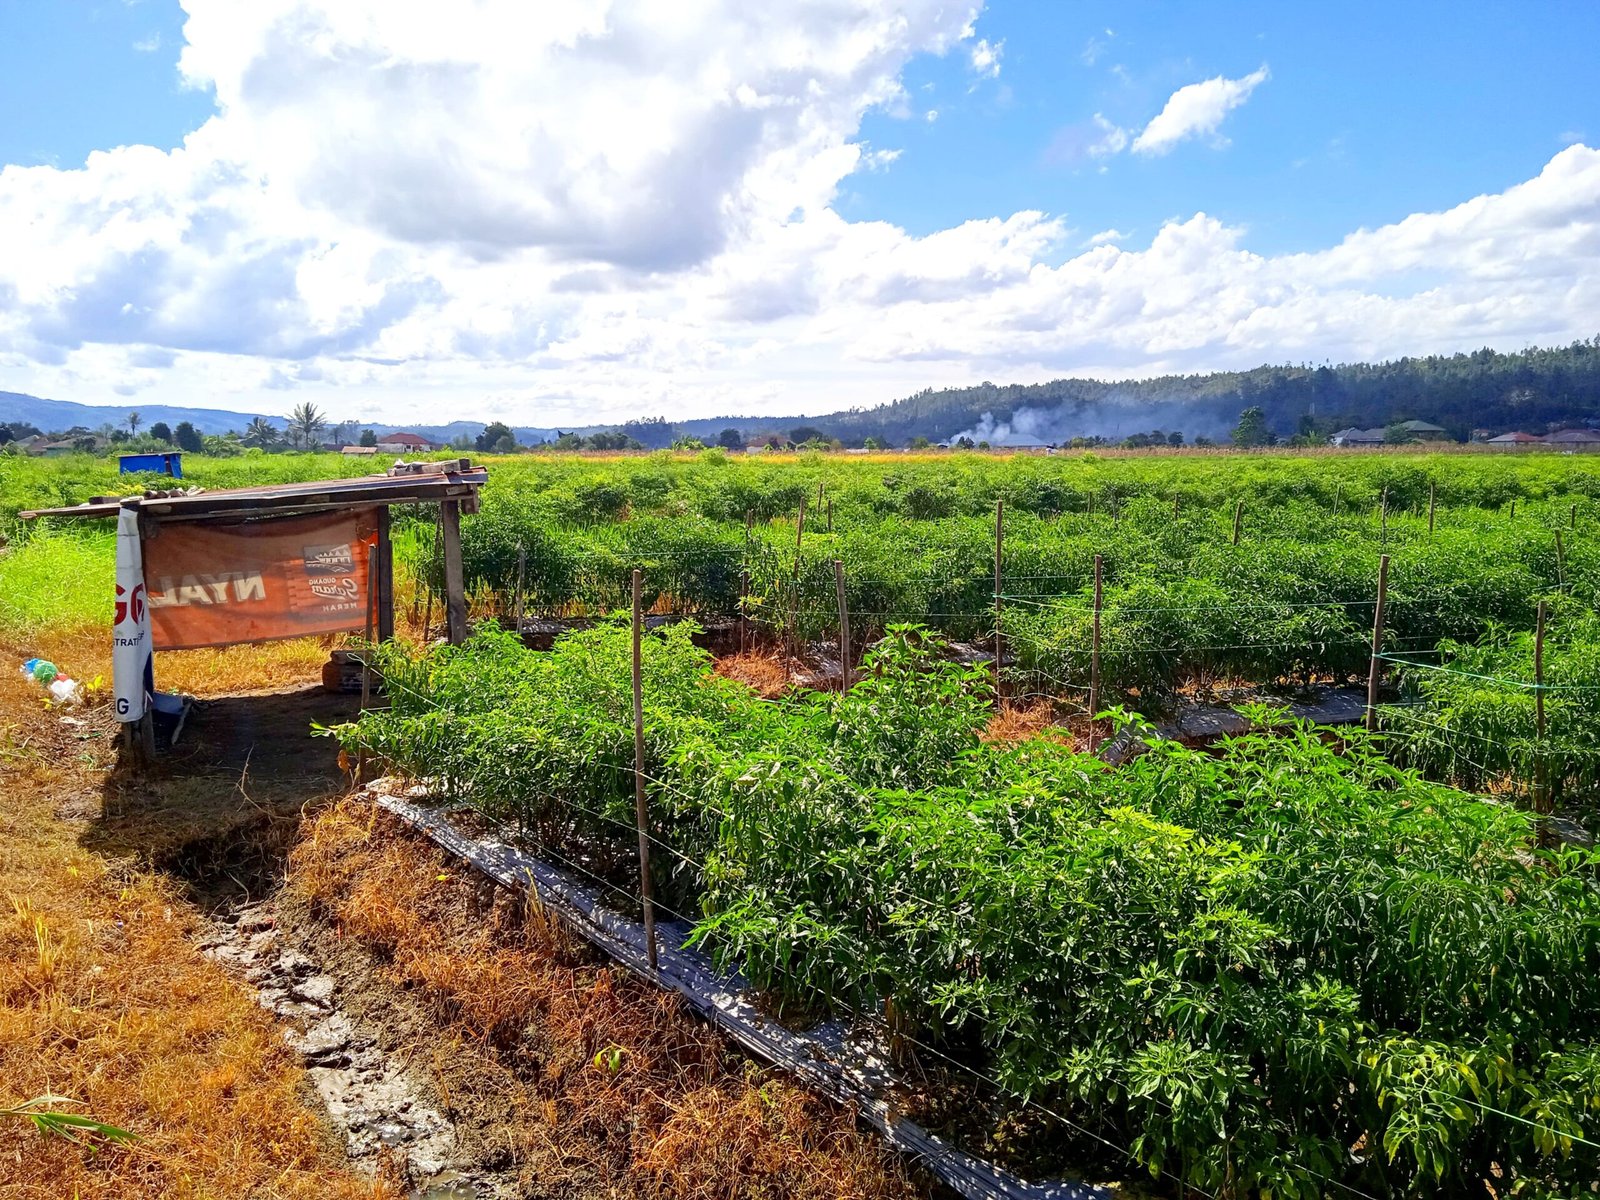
pixel 744 607
pixel 522 569
pixel 1094 655
pixel 1377 643
pixel 1541 767
pixel 1238 520
pixel 999 547
pixel 640 815
pixel 844 627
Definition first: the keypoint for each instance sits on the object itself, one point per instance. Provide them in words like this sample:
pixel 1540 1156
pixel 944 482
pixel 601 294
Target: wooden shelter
pixel 239 565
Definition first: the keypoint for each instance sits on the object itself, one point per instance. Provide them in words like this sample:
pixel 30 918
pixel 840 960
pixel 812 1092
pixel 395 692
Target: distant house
pixel 1358 437
pixel 1423 430
pixel 1511 440
pixel 1574 439
pixel 403 443
pixel 358 451
pixel 60 449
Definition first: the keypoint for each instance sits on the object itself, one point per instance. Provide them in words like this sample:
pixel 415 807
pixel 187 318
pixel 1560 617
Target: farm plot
pixel 1286 967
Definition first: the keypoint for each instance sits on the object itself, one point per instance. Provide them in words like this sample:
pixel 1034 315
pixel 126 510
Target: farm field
pixel 1302 962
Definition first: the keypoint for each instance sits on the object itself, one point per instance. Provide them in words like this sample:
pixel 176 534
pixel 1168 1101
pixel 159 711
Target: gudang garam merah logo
pixel 331 574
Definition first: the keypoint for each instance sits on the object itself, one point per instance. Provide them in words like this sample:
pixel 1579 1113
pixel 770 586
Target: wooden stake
pixel 1572 520
pixel 1561 563
pixel 744 607
pixel 1174 506
pixel 999 550
pixel 1541 766
pixel 522 570
pixel 1513 508
pixel 1094 655
pixel 799 528
pixel 1383 517
pixel 830 514
pixel 639 813
pixel 1431 490
pixel 1238 520
pixel 455 587
pixel 844 627
pixel 1377 643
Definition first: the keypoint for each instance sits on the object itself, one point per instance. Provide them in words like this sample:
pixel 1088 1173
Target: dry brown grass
pixel 104 998
pixel 1016 722
pixel 766 674
pixel 613 1087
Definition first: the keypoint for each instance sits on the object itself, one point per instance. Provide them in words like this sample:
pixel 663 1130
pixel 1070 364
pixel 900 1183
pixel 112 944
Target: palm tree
pixel 306 422
pixel 260 432
pixel 134 420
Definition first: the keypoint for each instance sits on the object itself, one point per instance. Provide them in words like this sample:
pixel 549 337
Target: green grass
pixel 57 580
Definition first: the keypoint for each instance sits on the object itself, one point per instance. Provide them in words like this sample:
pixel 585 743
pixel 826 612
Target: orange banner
pixel 253 581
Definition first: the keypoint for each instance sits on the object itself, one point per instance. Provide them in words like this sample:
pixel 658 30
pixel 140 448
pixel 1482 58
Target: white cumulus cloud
pixel 582 213
pixel 1196 110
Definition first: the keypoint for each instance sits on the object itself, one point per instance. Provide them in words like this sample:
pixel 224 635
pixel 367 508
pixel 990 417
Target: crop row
pixel 1282 968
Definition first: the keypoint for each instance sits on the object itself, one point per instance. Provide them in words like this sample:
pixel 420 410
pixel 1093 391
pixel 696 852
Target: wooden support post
pixel 522 574
pixel 1432 488
pixel 366 654
pixel 1561 563
pixel 1238 520
pixel 385 577
pixel 844 627
pixel 999 552
pixel 1541 762
pixel 799 528
pixel 1572 518
pixel 830 514
pixel 1174 506
pixel 1513 508
pixel 455 587
pixel 1094 654
pixel 366 657
pixel 1377 643
pixel 640 815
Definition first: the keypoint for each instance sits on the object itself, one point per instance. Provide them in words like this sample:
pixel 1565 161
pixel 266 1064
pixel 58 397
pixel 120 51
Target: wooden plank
pixel 455 587
pixel 830 1057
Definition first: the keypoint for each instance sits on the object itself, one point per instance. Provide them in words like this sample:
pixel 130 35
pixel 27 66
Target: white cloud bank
pixel 583 212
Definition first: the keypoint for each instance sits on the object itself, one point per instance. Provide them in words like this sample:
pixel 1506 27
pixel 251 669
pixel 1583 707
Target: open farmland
pixel 1299 962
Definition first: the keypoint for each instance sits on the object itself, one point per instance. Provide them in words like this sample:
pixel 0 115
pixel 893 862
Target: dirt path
pixel 383 1026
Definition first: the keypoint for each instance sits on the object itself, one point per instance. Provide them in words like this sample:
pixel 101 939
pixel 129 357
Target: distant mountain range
pixel 55 415
pixel 1534 390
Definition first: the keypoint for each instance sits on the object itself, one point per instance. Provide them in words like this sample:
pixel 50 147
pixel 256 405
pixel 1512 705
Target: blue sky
pixel 598 209
pixel 1373 111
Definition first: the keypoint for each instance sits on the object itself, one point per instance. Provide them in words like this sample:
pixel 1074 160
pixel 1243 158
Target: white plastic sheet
pixel 130 631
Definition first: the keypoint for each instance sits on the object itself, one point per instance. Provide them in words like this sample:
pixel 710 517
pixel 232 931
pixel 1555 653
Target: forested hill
pixel 1533 390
